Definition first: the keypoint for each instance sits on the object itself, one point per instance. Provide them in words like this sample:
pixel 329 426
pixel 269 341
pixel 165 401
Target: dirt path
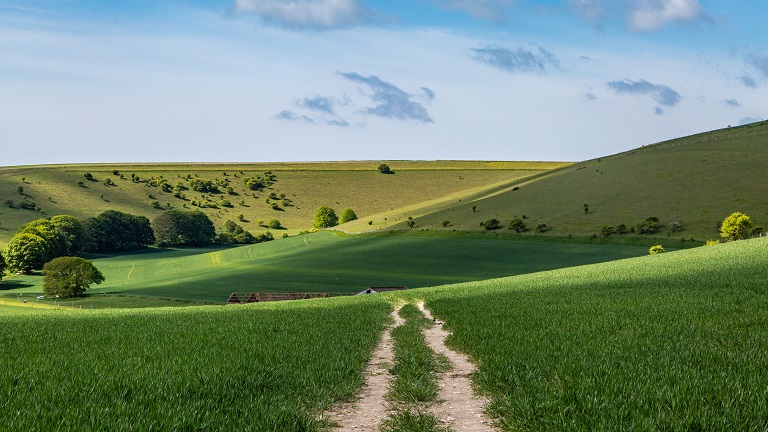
pixel 459 408
pixel 367 413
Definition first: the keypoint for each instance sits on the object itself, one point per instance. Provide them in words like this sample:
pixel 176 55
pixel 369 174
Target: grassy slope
pixel 697 180
pixel 261 367
pixel 326 262
pixel 309 185
pixel 665 342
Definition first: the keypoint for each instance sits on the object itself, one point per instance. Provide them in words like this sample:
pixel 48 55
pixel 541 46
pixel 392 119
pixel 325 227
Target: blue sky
pixel 302 80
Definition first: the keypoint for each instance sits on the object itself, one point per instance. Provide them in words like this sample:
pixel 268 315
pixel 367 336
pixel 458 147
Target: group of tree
pixel 236 234
pixel 37 242
pixel 183 228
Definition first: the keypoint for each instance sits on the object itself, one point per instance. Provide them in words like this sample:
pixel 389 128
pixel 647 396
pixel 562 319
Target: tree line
pixel 40 241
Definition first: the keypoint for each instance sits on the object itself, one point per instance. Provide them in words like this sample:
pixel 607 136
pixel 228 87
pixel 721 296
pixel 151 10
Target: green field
pixel 665 342
pixel 340 185
pixel 675 342
pixel 697 180
pixel 321 262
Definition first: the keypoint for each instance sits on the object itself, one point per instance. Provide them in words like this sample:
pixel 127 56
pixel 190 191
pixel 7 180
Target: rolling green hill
pixel 696 180
pixel 319 262
pixel 306 186
pixel 665 342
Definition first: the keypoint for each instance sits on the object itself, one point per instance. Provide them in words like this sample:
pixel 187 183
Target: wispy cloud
pixel 292 116
pixel 731 102
pixel 393 102
pixel 641 15
pixel 748 81
pixel 308 14
pixel 319 103
pixel 759 62
pixel 589 95
pixel 496 11
pixel 516 60
pixel 651 15
pixel 662 94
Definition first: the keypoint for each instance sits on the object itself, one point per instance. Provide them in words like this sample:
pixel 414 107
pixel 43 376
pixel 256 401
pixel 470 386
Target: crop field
pixel 321 262
pixel 675 341
pixel 260 367
pixel 689 180
pixel 55 189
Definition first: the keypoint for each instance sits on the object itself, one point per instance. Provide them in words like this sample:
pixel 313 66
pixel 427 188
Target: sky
pixel 86 81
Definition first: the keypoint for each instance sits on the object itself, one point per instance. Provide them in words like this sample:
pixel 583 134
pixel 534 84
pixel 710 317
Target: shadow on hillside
pixel 181 251
pixel 8 285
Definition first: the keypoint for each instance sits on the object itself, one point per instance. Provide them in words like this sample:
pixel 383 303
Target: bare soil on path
pixel 371 408
pixel 458 407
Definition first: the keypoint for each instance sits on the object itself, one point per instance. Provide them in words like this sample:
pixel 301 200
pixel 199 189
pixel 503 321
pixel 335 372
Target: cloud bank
pixel 496 11
pixel 516 60
pixel 641 15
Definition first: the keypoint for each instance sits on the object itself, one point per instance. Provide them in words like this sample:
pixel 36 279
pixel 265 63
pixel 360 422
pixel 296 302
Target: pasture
pixel 320 262
pixel 675 341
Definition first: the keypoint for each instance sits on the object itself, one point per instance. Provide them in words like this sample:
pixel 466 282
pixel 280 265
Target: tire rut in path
pixel 371 407
pixel 458 408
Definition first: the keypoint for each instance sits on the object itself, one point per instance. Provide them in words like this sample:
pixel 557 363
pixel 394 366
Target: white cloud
pixel 651 15
pixel 308 14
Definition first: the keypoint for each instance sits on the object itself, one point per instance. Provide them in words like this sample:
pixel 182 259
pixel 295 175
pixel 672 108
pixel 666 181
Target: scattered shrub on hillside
pixel 347 215
pixel 649 226
pixel 275 224
pixel 586 208
pixel 657 249
pixel 675 226
pixel 88 176
pixel 69 276
pixel 517 225
pixel 757 231
pixel 622 229
pixel 21 190
pixel 108 182
pixel 241 217
pixel 25 204
pixel 370 222
pixel 325 217
pixel 737 226
pixel 474 209
pixel 712 242
pixel 156 204
pixel 201 185
pixel 411 223
pixel 607 231
pixel 384 169
pixel 491 224
pixel 81 184
pixel 225 203
pixel 540 228
pixel 115 172
pixel 446 223
pixel 9 203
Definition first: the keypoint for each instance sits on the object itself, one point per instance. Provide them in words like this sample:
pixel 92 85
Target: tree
pixel 607 231
pixel 69 276
pixel 411 223
pixel 517 225
pixel 325 217
pixel 649 226
pixel 275 224
pixel 73 232
pixel 384 169
pixel 347 215
pixel 26 252
pixel 491 224
pixel 113 230
pixel 189 228
pixel 55 244
pixel 656 250
pixel 586 208
pixel 737 226
pixel 2 266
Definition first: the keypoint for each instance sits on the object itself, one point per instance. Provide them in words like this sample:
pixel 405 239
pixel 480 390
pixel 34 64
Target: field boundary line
pixel 458 406
pixel 371 407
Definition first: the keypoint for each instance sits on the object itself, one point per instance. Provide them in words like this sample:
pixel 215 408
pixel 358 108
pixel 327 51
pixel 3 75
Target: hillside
pixel 696 180
pixel 62 189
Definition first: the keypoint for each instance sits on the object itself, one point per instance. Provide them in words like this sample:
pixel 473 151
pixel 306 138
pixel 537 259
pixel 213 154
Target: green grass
pixel 415 363
pixel 309 185
pixel 261 367
pixel 675 341
pixel 690 180
pixel 412 421
pixel 323 262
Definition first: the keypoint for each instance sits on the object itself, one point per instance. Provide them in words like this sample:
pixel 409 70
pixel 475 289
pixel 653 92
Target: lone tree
pixel 69 276
pixel 517 225
pixel 325 217
pixel 737 226
pixel 347 215
pixel 491 224
pixel 384 169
